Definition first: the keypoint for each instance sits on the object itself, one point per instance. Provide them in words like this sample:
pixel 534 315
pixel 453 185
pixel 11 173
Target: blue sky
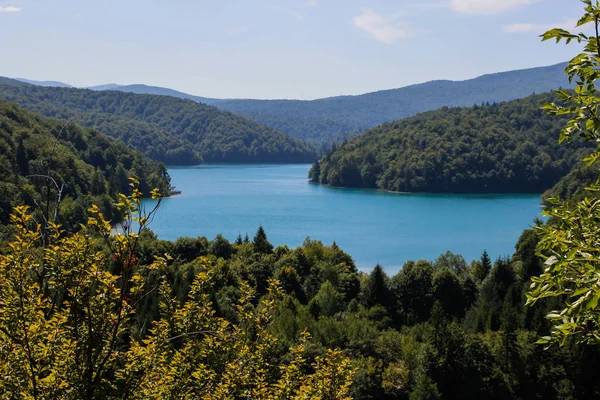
pixel 277 48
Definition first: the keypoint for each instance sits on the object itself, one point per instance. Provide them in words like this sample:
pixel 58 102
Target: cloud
pixel 381 28
pixel 487 6
pixel 540 28
pixel 310 3
pixel 9 9
pixel 240 29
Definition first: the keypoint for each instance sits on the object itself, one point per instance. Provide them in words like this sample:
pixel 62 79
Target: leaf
pixel 551 260
pixel 591 302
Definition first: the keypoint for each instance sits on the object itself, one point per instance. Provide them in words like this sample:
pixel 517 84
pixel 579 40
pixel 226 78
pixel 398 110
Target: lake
pixel 372 226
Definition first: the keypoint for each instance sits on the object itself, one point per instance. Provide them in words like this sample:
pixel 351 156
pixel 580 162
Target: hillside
pixel 168 129
pixel 345 116
pixel 501 148
pixel 90 167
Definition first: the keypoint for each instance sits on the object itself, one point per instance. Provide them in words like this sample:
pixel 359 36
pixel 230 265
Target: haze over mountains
pixel 323 121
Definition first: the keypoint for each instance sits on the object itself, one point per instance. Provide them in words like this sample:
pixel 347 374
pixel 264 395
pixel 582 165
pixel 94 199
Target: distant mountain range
pixel 334 119
pixel 44 83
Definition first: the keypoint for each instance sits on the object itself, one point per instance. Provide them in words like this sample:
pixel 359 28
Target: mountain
pixel 339 117
pixel 88 166
pixel 510 147
pixel 168 129
pixel 334 119
pixel 44 83
pixel 145 89
pixel 109 86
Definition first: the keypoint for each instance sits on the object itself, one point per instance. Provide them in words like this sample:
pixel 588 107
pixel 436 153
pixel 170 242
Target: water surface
pixel 372 226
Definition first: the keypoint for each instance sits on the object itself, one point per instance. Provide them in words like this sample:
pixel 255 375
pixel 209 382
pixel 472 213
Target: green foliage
pixel 45 163
pixel 375 289
pixel 260 242
pixel 67 319
pixel 569 243
pixel 482 268
pixel 167 129
pixel 500 148
pixel 571 248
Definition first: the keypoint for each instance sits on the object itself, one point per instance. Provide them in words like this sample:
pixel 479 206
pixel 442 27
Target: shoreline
pixel 430 193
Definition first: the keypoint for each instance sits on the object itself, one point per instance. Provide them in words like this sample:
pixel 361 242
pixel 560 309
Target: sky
pixel 266 49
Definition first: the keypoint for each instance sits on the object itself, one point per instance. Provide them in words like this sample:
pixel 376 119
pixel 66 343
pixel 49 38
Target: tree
pixel 220 247
pixel 570 245
pixel 449 292
pixel 412 287
pixel 483 267
pixel 328 300
pixel 451 261
pixel 261 244
pixel 376 290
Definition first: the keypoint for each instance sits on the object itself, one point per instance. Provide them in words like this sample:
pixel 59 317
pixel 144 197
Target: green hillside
pixel 498 148
pixel 168 129
pixel 86 165
pixel 335 118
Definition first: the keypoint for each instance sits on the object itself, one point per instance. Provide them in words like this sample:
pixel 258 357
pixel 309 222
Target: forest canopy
pixel 489 148
pixel 39 156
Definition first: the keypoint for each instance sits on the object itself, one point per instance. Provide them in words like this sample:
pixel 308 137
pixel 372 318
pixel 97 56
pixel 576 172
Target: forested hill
pixel 167 129
pixel 346 116
pixel 147 89
pixel 333 119
pixel 510 147
pixel 88 166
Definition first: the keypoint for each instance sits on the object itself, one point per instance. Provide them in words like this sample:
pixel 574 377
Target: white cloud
pixel 381 28
pixel 9 9
pixel 239 29
pixel 487 6
pixel 540 28
pixel 310 3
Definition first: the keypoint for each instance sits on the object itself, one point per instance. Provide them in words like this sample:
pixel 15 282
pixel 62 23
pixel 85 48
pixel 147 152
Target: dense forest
pixel 491 148
pixel 167 129
pixel 40 156
pixel 442 328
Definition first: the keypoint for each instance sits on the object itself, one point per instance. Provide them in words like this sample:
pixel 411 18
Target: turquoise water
pixel 372 226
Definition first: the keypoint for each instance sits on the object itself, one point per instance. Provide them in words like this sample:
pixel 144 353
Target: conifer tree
pixel 376 290
pixel 261 244
pixel 482 268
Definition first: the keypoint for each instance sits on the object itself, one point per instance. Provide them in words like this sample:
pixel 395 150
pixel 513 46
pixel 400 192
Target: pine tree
pixel 483 267
pixel 376 290
pixel 261 244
